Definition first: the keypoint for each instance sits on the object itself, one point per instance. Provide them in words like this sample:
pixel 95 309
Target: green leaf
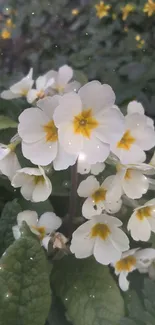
pixel 6 122
pixel 141 308
pixel 88 291
pixel 7 221
pixel 25 295
pixel 57 314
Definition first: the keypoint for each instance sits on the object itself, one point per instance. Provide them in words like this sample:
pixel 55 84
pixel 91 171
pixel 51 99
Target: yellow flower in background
pixel 140 41
pixel 126 10
pixel 5 34
pixel 149 8
pixel 9 23
pixel 114 16
pixel 102 9
pixel 126 29
pixel 75 12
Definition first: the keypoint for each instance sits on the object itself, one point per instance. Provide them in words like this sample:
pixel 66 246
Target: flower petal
pixel 95 150
pixel 71 142
pixel 30 217
pixel 65 74
pixel 8 94
pixel 140 229
pixel 135 107
pixel 50 221
pixel 42 191
pixel 97 168
pixel 123 282
pixel 104 252
pixel 135 185
pixel 32 95
pixel 88 186
pixel 89 208
pixel 63 160
pixel 48 105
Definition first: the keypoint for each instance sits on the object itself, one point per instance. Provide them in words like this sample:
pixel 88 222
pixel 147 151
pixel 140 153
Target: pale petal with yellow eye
pixel 135 185
pixel 88 186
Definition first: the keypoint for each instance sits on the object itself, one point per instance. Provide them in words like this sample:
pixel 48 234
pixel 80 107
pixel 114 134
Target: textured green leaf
pixel 88 291
pixel 57 314
pixel 6 122
pixel 7 221
pixel 25 295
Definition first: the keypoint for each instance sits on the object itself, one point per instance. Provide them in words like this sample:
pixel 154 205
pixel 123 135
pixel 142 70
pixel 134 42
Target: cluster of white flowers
pixel 67 124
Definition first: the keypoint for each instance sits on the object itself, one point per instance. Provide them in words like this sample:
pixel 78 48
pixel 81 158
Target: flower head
pixel 43 228
pixel 40 135
pixel 87 122
pixel 62 81
pixel 100 237
pixel 75 11
pixel 126 10
pixel 142 221
pixel 20 89
pixel 35 185
pixel 130 261
pixel 9 163
pixel 149 8
pixel 139 135
pixel 5 34
pixel 97 197
pixel 102 10
pixel 43 84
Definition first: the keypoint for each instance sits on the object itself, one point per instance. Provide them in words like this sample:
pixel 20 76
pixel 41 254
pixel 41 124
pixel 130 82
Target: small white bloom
pixel 35 185
pixel 96 195
pixel 87 122
pixel 9 163
pixel 40 135
pixel 85 168
pixel 137 107
pixel 142 221
pixel 62 79
pixel 43 228
pixel 132 260
pixel 19 89
pixel 129 180
pixel 43 84
pixel 139 136
pixel 100 237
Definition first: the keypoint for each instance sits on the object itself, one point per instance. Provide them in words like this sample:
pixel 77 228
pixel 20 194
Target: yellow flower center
pixel 41 231
pixel 84 123
pixel 149 8
pixel 51 132
pixel 75 12
pixel 126 141
pixel 100 230
pixel 59 89
pixel 128 174
pixel 41 94
pixel 126 10
pixel 39 179
pixel 99 195
pixel 102 9
pixel 143 213
pixel 24 92
pixel 125 264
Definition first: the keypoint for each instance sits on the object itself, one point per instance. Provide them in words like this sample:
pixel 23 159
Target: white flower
pixel 100 237
pixel 20 88
pixel 137 107
pixel 142 221
pixel 130 261
pixel 96 195
pixel 35 185
pixel 43 228
pixel 129 180
pixel 62 79
pixel 139 136
pixel 9 163
pixel 85 168
pixel 43 84
pixel 40 136
pixel 87 121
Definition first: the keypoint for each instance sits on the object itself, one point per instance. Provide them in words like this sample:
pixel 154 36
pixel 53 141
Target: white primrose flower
pixel 39 135
pixel 142 221
pixel 43 84
pixel 9 163
pixel 131 180
pixel 100 237
pixel 132 260
pixel 19 89
pixel 87 122
pixel 85 168
pixel 62 79
pixel 43 228
pixel 137 107
pixel 35 185
pixel 97 197
pixel 139 136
